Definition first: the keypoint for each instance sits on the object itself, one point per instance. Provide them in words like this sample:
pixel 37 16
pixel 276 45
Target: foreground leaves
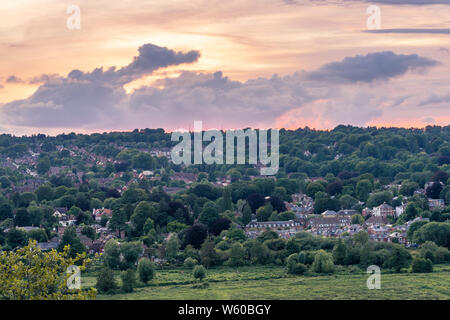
pixel 31 274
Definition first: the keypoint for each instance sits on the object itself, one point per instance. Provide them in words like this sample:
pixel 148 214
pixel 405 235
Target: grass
pixel 273 283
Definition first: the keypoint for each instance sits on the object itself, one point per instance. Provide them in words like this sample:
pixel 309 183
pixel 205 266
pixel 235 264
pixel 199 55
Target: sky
pixel 231 64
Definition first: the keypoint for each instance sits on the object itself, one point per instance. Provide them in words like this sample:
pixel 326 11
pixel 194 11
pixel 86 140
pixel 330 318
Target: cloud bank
pixel 337 93
pixel 370 67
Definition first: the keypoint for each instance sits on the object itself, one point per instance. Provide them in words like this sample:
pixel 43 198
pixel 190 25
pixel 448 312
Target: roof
pixel 329 213
pixel 347 212
pixel 377 220
pixel 61 210
pixel 385 206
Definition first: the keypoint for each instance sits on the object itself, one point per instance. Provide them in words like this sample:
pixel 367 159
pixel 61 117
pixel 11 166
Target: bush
pixel 291 261
pixel 105 281
pixel 146 270
pixel 128 280
pixel 190 262
pixel 421 265
pixel 199 272
pixel 323 262
pixel 299 269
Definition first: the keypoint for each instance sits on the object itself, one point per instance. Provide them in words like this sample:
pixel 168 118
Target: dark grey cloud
pixel 83 99
pixel 411 30
pixel 14 79
pixel 436 99
pixel 151 57
pixel 370 67
pixel 43 78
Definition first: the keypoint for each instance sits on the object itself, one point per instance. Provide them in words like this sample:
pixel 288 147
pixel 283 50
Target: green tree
pixel 414 227
pixel 190 262
pixel 208 254
pixel 112 254
pixel 106 283
pixel 146 270
pixel 237 255
pixel 339 252
pixel 199 272
pixel 70 238
pixel 31 274
pixel 128 280
pixel 16 238
pixel 227 202
pixel 173 247
pixel 323 262
pixel 399 258
pixel 411 211
pixel 141 213
pixel 421 265
pixel 264 213
pixel 438 232
pixel 246 215
pixel 131 251
pixel 363 188
pixel 209 214
pixel 44 192
pixel 313 188
pixel 43 165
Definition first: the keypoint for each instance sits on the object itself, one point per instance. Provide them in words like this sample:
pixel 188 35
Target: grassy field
pixel 273 283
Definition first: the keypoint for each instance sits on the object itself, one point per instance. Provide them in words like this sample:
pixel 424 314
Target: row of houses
pixel 284 229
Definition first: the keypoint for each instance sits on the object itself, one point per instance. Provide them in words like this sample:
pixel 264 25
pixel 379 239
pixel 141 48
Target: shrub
pixel 291 261
pixel 421 265
pixel 299 269
pixel 128 280
pixel 323 262
pixel 199 272
pixel 146 270
pixel 190 262
pixel 105 281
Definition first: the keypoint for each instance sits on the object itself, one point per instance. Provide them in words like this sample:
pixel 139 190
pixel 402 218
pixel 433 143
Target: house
pixel 376 220
pixel 59 212
pixel 378 233
pixel 284 229
pixel 400 209
pixel 354 229
pixel 99 213
pixel 367 212
pixel 329 213
pixel 28 228
pixel 329 226
pixel 384 210
pixel 50 245
pixel 172 190
pixel 436 204
pixel 145 174
pixel 188 178
pixel 70 221
pixel 399 237
pixel 347 212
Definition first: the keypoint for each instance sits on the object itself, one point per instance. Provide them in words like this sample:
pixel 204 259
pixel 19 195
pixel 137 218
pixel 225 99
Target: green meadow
pixel 273 283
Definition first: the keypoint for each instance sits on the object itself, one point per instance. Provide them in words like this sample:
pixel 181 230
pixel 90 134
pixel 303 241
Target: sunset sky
pixel 230 63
